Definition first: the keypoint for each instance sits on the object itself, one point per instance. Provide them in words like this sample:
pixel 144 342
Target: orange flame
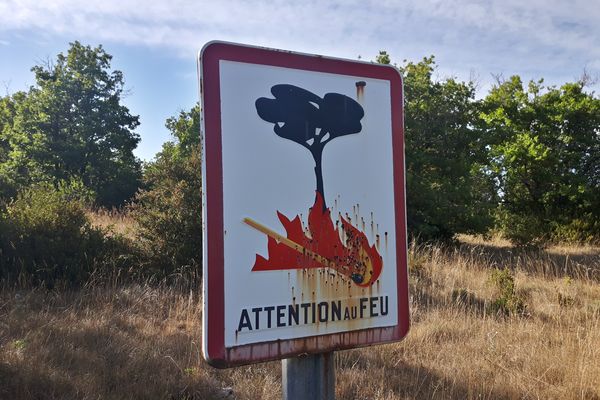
pixel 347 251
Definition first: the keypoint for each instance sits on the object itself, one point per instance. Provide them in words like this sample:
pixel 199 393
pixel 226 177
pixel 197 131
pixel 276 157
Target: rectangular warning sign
pixel 304 208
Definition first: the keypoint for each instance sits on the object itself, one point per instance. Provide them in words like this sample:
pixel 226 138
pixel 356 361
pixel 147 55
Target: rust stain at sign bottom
pixel 310 345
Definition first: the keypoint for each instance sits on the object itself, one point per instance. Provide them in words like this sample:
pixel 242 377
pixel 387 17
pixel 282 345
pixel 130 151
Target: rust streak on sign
pixel 360 90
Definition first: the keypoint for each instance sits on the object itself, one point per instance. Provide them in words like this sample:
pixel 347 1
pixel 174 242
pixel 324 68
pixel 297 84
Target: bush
pixel 47 239
pixel 508 301
pixel 578 230
pixel 522 230
pixel 168 213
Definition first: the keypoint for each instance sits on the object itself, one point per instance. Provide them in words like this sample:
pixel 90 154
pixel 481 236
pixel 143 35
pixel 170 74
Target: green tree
pixel 6 122
pixel 72 124
pixel 15 168
pixel 168 210
pixel 383 57
pixel 185 129
pixel 448 188
pixel 545 152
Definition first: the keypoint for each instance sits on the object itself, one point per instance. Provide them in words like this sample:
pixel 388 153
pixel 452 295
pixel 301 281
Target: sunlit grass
pixel 141 341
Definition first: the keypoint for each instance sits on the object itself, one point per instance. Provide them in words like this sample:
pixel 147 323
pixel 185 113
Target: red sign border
pixel 214 348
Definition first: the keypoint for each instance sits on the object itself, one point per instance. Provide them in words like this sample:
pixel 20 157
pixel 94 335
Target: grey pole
pixel 310 377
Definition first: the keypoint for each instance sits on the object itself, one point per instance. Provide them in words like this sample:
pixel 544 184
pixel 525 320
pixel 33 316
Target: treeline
pixel 66 147
pixel 523 162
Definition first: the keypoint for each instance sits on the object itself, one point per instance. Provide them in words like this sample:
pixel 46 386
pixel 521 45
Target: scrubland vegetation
pixel 468 338
pixel 100 253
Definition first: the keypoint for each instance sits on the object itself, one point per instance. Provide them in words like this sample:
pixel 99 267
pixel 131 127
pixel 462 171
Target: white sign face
pixel 310 228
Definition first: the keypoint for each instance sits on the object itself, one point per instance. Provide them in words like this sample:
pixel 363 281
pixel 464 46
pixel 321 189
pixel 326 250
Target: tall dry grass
pixel 144 342
pixel 113 220
pixel 116 343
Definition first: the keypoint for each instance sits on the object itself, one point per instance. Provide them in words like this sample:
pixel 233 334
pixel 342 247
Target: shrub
pixel 168 213
pixel 508 302
pixel 522 230
pixel 46 237
pixel 578 230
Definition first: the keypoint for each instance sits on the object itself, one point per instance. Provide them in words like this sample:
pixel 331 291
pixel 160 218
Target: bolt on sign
pixel 304 204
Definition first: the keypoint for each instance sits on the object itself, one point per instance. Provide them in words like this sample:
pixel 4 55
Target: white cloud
pixel 511 36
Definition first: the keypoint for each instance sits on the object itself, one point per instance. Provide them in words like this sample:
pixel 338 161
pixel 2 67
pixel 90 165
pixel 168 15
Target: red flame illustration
pixel 347 251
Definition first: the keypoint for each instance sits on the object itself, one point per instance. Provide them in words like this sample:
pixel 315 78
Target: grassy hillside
pixel 529 332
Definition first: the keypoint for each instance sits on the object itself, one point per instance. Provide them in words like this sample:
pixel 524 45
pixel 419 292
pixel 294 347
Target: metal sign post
pixel 304 241
pixel 309 377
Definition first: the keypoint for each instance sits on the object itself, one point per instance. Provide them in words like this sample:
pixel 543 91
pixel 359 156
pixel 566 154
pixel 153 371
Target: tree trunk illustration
pixel 318 156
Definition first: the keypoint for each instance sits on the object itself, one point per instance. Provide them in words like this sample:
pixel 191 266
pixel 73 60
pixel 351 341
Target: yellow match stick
pixel 290 243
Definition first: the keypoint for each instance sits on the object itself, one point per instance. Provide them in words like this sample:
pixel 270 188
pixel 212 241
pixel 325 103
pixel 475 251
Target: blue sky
pixel 155 43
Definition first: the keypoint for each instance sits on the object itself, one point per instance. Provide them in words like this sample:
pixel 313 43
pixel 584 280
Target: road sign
pixel 304 204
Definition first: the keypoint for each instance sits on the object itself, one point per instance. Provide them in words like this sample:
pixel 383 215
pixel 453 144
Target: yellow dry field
pixel 139 342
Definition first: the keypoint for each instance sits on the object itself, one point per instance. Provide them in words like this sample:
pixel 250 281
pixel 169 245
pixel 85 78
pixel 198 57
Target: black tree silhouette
pixel 309 120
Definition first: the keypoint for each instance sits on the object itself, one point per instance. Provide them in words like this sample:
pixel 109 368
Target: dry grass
pixel 113 221
pixel 134 342
pixel 142 342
